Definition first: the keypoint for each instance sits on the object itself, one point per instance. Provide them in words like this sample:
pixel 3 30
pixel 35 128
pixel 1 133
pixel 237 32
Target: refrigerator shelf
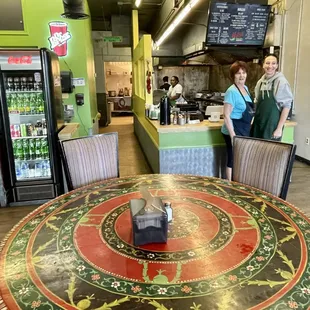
pixel 31 137
pixel 24 115
pixel 18 161
pixel 23 91
pixel 34 178
pixel 32 115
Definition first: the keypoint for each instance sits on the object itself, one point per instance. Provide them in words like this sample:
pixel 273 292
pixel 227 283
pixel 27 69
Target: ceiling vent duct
pixel 74 9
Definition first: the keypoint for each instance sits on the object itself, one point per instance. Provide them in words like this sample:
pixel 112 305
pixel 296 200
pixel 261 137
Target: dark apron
pixel 242 126
pixel 267 116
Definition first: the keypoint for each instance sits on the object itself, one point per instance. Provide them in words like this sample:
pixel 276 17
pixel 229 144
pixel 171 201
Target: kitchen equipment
pixel 212 109
pixel 165 111
pixel 215 117
pixel 194 116
pixel 121 92
pixel 182 118
pixel 126 91
pixel 188 106
pixel 112 93
pixel 154 112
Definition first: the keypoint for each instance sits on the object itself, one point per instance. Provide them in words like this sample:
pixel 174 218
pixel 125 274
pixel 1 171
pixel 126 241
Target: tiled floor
pixel 131 158
pixel 133 162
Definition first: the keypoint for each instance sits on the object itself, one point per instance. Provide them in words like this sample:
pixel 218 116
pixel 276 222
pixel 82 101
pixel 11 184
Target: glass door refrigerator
pixel 31 117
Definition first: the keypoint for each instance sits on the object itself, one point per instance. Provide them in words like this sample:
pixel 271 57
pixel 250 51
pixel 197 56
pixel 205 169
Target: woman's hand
pixel 277 133
pixel 232 138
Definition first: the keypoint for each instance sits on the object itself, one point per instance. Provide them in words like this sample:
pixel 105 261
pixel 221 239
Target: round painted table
pixel 230 247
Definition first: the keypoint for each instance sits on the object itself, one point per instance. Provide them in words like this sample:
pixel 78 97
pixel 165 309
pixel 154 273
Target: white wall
pixel 104 52
pixel 296 67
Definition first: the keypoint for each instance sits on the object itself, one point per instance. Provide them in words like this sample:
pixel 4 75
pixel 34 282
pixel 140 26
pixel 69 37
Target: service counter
pixel 197 149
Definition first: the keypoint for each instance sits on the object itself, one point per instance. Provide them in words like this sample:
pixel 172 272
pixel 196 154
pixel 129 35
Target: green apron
pixel 267 116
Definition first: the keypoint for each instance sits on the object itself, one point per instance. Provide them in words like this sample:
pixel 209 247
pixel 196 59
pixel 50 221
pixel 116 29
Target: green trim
pixel 149 128
pixel 288 135
pixel 148 145
pixel 191 139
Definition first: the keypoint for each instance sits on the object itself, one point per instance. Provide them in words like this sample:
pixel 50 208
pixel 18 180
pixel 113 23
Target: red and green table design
pixel 230 247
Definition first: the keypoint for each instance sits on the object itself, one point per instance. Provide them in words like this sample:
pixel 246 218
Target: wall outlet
pixel 308 141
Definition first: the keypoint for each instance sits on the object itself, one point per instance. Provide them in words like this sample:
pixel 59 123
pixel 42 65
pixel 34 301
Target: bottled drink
pixel 40 103
pixel 29 129
pixel 18 170
pixel 9 102
pixel 30 83
pixel 38 169
pixel 32 104
pixel 48 168
pixel 12 131
pixel 38 81
pixel 32 172
pixel 26 149
pixel 44 127
pixel 39 128
pixel 23 130
pixel 32 149
pixel 38 149
pixel 44 148
pixel 24 170
pixel 17 131
pixel 26 104
pixel 14 102
pixel 19 149
pixel 9 85
pixel 23 83
pixel 20 104
pixel 44 168
pixel 16 82
pixel 15 148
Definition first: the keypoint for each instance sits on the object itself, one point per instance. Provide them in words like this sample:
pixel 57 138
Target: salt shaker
pixel 169 211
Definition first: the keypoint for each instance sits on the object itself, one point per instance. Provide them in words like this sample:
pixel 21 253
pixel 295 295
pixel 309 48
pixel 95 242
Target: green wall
pixel 80 59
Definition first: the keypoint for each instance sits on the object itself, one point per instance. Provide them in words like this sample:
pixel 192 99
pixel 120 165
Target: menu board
pixel 237 24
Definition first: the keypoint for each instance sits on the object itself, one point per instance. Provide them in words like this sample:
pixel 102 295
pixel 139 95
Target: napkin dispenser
pixel 149 222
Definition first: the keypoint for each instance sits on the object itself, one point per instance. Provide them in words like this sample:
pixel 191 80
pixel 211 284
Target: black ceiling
pixel 101 11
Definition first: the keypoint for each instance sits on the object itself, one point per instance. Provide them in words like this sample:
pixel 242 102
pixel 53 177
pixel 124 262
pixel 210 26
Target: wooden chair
pixel 90 159
pixel 264 164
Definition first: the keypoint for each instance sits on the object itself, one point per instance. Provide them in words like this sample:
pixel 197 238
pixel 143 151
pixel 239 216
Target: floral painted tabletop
pixel 229 247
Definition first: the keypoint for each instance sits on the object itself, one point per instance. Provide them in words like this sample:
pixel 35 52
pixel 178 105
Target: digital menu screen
pixel 237 24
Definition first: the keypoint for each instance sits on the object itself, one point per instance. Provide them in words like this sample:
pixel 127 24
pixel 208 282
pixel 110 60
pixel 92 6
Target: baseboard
pixel 303 160
pixel 28 203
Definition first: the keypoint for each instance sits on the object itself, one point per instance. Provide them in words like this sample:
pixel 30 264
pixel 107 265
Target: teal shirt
pixel 234 98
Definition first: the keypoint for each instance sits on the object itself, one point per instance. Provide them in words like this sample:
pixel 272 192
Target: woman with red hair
pixel 238 110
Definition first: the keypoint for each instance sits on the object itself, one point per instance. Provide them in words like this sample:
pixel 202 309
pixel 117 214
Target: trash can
pixel 110 108
pixel 102 107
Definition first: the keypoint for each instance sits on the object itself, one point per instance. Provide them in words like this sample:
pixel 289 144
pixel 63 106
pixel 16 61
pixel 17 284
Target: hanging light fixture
pixel 176 22
pixel 137 3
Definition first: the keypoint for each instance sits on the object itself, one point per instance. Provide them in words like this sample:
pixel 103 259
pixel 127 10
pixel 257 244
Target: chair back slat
pixel 90 159
pixel 264 164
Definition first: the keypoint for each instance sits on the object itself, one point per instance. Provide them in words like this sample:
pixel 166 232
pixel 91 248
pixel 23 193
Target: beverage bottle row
pixel 24 83
pixel 26 104
pixel 29 130
pixel 30 149
pixel 25 170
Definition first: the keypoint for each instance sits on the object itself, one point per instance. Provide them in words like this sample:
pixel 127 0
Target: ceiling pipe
pixel 74 9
